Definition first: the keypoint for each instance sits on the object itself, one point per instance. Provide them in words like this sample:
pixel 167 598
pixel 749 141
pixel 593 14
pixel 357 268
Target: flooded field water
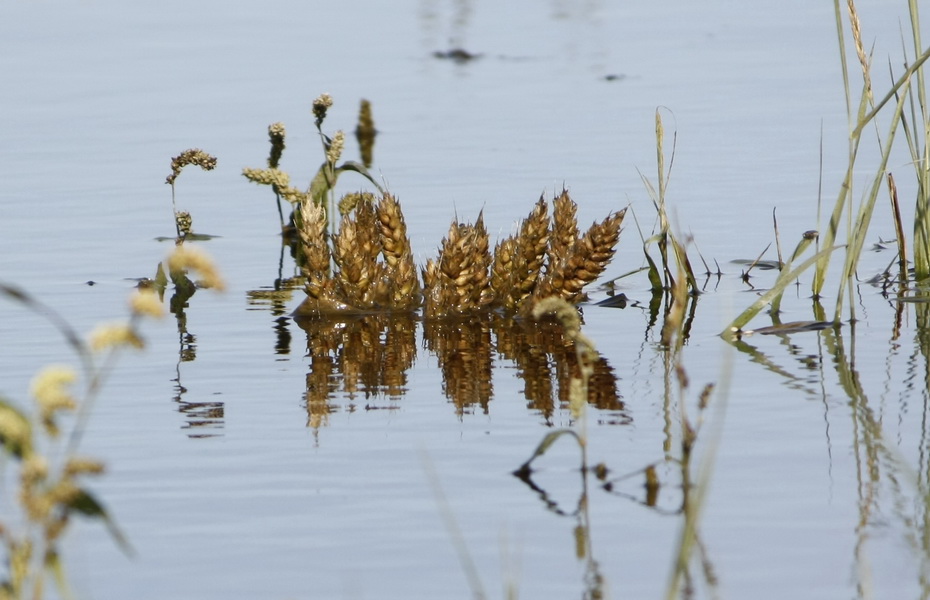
pixel 253 456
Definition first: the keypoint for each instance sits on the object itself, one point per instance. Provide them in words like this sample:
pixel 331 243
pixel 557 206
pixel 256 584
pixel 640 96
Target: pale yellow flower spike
pixel 146 303
pixel 14 429
pixel 50 387
pixel 51 393
pixel 195 259
pixel 112 335
pixel 335 147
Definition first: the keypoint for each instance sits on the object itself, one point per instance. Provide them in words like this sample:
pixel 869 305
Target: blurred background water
pixel 229 485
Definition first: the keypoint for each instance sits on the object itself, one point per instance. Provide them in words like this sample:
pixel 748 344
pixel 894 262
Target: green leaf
pixel 655 278
pixel 320 185
pixel 85 504
pixel 161 280
pixel 351 165
pixel 792 327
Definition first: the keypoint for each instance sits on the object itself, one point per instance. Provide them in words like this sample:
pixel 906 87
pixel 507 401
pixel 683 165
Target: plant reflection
pixel 204 419
pixel 371 354
pixel 881 471
pixel 367 355
pixel 543 355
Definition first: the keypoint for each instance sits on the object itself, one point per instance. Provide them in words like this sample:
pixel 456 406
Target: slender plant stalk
pixel 856 237
pixel 899 229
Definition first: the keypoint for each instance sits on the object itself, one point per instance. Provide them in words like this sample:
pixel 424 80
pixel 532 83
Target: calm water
pixel 235 476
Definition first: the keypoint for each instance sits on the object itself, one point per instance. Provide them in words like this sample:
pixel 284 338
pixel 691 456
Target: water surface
pixel 234 475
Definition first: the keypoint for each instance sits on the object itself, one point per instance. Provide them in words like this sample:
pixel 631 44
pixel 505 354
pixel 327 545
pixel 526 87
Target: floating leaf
pixel 764 265
pixel 617 301
pixel 784 279
pixel 792 327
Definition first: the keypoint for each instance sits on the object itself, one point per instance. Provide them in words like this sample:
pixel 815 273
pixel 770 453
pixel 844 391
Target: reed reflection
pixel 888 489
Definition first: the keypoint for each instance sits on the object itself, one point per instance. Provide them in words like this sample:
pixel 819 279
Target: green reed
pixel 908 89
pixel 664 239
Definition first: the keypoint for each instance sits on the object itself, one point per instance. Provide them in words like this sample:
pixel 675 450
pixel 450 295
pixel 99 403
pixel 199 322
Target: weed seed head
pixel 14 430
pixel 77 465
pixel 114 335
pixel 35 469
pixel 320 106
pixel 184 221
pixel 194 156
pixel 145 302
pixel 188 257
pixel 276 135
pixel 335 147
pixel 50 388
pixel 51 393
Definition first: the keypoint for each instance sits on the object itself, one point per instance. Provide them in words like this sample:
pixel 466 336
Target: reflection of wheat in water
pixel 361 355
pixel 369 356
pixel 463 351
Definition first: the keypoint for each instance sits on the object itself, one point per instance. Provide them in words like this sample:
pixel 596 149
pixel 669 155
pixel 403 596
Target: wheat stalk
pixel 582 262
pixel 518 260
pixel 564 227
pixel 401 273
pixel 356 248
pixel 320 287
pixel 459 281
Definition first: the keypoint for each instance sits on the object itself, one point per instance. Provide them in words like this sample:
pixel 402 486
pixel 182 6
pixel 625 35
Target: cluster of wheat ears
pixel 368 265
